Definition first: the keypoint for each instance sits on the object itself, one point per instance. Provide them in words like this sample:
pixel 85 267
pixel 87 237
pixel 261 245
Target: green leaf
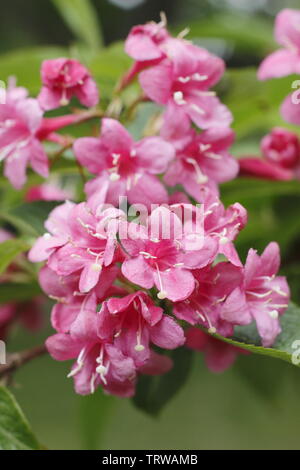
pixel 81 17
pixel 285 345
pixel 95 411
pixel 250 34
pixel 18 292
pixel 255 104
pixel 9 250
pixel 108 66
pixel 153 393
pixel 29 218
pixel 15 433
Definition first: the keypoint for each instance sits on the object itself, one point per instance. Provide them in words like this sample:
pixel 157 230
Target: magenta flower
pixel 70 302
pixel 64 78
pixel 281 152
pixel 113 346
pixel 136 322
pixel 223 225
pixel 166 261
pixel 200 158
pixel 20 119
pixel 182 82
pixel 204 306
pixel 218 355
pixel 145 43
pixel 285 61
pixel 124 167
pixel 79 242
pixel 263 296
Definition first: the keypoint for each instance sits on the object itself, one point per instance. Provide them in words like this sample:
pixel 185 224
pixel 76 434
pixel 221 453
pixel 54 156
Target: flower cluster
pixel 127 281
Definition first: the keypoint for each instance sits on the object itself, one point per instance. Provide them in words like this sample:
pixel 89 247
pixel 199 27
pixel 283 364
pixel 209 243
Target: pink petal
pixel 148 190
pixel 263 169
pixel 279 64
pixel 167 334
pixel 157 82
pixel 138 272
pixel 290 110
pixel 154 154
pixel 91 154
pixel 178 284
pixel 62 347
pixel 115 137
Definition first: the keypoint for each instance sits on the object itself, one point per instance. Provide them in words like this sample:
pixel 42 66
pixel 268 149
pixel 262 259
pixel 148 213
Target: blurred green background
pixel 256 403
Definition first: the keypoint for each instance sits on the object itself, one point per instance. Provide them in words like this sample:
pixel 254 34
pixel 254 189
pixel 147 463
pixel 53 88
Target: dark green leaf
pixel 153 393
pixel 286 344
pixel 29 218
pixel 15 433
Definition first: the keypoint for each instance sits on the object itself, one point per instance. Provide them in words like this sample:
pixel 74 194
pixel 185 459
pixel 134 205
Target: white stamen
pixel 197 108
pixel 183 33
pixel 116 158
pixel 147 255
pixel 162 295
pixel 96 267
pixel 114 177
pixel 178 98
pixel 200 177
pixel 184 79
pixel 273 314
pixel 200 78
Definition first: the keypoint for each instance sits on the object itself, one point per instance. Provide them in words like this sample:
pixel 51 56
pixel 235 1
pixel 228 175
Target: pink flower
pixel 285 61
pixel 47 192
pixel 144 42
pixel 182 82
pixel 290 109
pixel 135 323
pixel 112 347
pixel 70 302
pixel 20 119
pixel 204 306
pixel 124 167
pixel 281 152
pixel 223 225
pixel 79 242
pixel 218 355
pixel 263 296
pixel 163 254
pixel 201 158
pixel 64 78
pixel 97 363
pixel 57 236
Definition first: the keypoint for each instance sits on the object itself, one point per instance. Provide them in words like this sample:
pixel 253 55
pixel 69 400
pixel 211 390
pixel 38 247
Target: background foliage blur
pixel 254 405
